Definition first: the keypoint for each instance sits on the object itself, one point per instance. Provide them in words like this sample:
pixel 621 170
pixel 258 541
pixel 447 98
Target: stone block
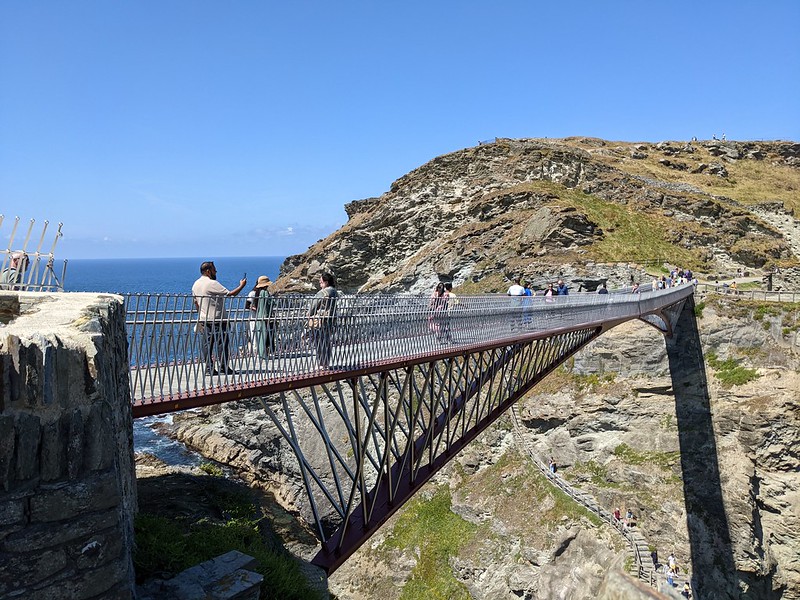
pixel 239 585
pixel 29 383
pixel 7 445
pixel 87 584
pixel 28 438
pixel 79 531
pixel 68 500
pixel 75 443
pixel 12 511
pixel 99 447
pixel 53 455
pixel 19 570
pixel 226 577
pixel 218 567
pixel 97 550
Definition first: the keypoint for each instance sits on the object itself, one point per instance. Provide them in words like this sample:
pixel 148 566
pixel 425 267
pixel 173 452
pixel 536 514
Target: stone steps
pixel 637 544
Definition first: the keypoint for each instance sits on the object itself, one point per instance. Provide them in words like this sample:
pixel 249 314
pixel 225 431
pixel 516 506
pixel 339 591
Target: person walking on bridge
pixel 321 318
pixel 212 322
pixel 438 311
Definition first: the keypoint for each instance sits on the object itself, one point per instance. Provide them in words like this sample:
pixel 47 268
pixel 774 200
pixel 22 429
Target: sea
pixel 162 276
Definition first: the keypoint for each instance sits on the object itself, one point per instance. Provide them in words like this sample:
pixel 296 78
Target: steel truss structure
pixel 402 426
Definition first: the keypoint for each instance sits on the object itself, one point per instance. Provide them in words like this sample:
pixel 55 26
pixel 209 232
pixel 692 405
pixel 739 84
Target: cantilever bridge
pixel 405 389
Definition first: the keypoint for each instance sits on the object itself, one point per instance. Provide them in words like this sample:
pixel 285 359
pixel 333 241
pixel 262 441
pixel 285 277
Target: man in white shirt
pixel 209 299
pixel 516 289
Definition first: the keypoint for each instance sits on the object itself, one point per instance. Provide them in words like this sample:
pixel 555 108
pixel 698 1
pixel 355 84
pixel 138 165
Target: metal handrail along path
pixel 283 348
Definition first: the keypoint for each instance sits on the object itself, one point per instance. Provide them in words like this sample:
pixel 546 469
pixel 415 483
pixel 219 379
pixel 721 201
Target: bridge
pixel 394 385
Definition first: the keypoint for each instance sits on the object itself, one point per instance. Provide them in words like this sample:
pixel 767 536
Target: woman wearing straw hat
pixel 262 328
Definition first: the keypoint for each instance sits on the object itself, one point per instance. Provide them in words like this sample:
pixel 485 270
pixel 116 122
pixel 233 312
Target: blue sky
pixel 242 128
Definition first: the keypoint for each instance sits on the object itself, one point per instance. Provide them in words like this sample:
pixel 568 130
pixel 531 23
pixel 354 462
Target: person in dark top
pixel 438 307
pixel 603 289
pixel 562 289
pixel 321 318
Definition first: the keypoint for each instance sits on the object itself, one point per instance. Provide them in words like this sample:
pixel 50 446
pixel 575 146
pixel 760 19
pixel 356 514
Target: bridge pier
pixel 67 480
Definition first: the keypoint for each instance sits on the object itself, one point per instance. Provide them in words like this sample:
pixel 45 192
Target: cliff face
pixel 587 211
pixel 543 208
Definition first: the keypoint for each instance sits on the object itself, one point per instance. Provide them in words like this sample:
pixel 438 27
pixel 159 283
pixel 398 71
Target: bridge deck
pixel 279 351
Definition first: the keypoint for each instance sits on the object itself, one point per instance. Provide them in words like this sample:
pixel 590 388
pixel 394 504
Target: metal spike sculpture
pixel 27 266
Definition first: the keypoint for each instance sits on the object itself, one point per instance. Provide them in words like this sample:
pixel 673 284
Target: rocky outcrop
pixel 525 207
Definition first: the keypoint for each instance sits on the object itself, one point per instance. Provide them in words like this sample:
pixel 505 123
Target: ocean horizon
pixel 163 275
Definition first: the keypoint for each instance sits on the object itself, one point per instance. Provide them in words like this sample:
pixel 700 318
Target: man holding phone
pixel 209 299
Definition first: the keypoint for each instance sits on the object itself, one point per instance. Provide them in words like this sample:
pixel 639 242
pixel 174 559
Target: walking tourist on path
pixel 212 322
pixel 321 318
pixel 438 306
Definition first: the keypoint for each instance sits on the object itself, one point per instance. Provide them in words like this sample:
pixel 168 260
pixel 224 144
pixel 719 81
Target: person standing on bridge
pixel 262 325
pixel 516 288
pixel 321 317
pixel 209 299
pixel 438 315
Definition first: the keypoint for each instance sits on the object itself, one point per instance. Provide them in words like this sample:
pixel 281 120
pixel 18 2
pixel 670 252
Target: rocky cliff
pixel 614 419
pixel 541 209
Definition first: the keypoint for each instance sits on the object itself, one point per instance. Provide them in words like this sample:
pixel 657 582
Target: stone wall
pixel 67 487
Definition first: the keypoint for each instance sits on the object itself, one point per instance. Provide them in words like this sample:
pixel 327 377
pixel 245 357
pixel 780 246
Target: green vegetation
pixel 564 505
pixel 629 234
pixel 666 422
pixel 165 547
pixel 698 309
pixel 597 473
pixel 763 310
pixel 211 469
pixel 438 533
pixel 582 382
pixel 664 460
pixel 729 371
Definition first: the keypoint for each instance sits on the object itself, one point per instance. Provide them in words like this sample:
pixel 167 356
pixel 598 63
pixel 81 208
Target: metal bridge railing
pixel 763 295
pixel 168 347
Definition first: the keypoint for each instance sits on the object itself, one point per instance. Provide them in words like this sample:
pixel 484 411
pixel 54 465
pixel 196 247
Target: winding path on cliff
pixel 642 567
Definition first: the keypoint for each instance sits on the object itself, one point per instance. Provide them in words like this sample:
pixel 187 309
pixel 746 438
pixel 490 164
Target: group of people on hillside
pixel 209 300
